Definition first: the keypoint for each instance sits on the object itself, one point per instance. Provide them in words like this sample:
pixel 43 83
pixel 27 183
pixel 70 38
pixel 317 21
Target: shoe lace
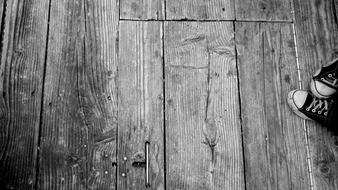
pixel 319 105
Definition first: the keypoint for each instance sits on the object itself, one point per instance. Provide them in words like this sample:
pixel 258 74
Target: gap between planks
pixel 37 165
pixel 194 20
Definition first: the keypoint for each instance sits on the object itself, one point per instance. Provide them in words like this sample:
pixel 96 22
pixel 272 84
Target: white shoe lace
pixel 318 105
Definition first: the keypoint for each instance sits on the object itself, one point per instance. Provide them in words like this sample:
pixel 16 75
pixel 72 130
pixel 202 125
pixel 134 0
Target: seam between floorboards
pixel 42 99
pixel 308 154
pixel 240 107
pixel 196 20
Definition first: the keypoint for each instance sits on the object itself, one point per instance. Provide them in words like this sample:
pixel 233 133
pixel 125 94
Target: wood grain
pixel 317 36
pixel 200 10
pixel 274 140
pixel 78 138
pixel 203 140
pixel 143 10
pixel 21 68
pixel 264 10
pixel 140 112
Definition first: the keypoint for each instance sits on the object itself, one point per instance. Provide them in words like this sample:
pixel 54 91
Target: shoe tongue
pixel 308 101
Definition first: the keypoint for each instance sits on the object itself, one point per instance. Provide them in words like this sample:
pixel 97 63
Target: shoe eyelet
pixel 313 111
pixel 319 112
pixel 322 79
pixel 325 113
pixel 307 109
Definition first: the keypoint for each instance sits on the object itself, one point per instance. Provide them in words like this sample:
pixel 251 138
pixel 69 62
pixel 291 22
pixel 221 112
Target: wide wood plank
pixel 143 10
pixel 78 141
pixel 140 101
pixel 203 132
pixel 317 39
pixel 200 10
pixel 21 68
pixel 264 10
pixel 274 139
pixel 98 91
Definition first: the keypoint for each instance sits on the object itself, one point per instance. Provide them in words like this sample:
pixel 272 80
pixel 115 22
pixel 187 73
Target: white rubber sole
pixel 294 107
pixel 315 92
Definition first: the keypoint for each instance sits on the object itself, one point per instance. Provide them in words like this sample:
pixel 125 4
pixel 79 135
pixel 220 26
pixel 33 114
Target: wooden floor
pixel 163 94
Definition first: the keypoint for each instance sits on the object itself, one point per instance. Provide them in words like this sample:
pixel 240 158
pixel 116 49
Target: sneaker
pixel 324 83
pixel 308 106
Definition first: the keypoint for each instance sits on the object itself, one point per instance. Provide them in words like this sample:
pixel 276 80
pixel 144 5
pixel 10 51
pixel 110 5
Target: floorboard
pixel 78 140
pixel 264 10
pixel 274 143
pixel 21 75
pixel 317 42
pixel 200 10
pixel 203 141
pixel 140 105
pixel 142 10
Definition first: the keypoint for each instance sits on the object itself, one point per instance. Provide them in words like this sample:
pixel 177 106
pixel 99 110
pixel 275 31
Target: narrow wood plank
pixel 200 10
pixel 140 115
pixel 203 140
pixel 264 10
pixel 143 10
pixel 317 36
pixel 21 69
pixel 78 143
pixel 274 139
pixel 98 91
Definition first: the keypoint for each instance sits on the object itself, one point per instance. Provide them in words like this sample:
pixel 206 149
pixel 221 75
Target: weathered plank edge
pixel 38 150
pixel 239 102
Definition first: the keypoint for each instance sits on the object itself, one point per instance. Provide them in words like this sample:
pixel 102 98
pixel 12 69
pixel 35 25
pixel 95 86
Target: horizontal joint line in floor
pixel 195 20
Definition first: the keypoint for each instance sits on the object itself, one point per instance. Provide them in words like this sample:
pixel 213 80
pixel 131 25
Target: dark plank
pixel 200 10
pixel 78 141
pixel 264 10
pixel 2 15
pixel 140 115
pixel 274 139
pixel 143 10
pixel 21 69
pixel 317 39
pixel 203 140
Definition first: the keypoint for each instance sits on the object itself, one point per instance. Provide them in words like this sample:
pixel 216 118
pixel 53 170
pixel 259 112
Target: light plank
pixel 142 10
pixel 78 140
pixel 140 112
pixel 274 140
pixel 317 37
pixel 264 10
pixel 21 71
pixel 200 10
pixel 203 140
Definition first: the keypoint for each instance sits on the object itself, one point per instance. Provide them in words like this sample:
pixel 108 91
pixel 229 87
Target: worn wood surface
pixel 140 112
pixel 143 10
pixel 78 139
pixel 275 149
pixel 317 38
pixel 21 68
pixel 203 141
pixel 193 89
pixel 200 10
pixel 264 10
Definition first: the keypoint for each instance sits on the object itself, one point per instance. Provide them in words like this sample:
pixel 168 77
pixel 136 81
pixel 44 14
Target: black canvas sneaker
pixel 324 83
pixel 307 106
